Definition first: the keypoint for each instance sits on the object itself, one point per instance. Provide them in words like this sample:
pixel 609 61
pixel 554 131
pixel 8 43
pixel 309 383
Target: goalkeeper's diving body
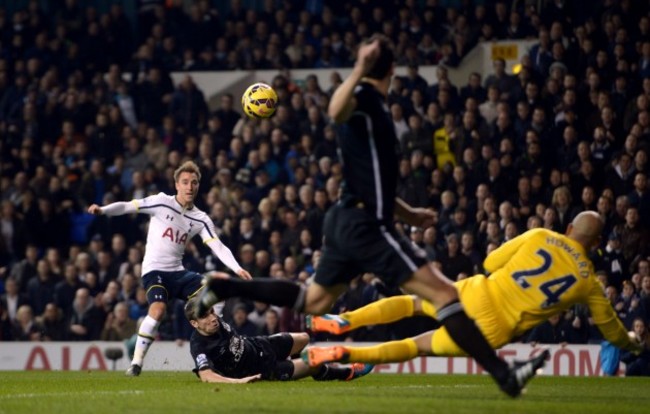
pixel 533 277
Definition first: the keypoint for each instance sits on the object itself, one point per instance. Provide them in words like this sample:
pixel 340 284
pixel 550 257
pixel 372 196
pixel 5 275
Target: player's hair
pixel 189 309
pixel 187 166
pixel 385 60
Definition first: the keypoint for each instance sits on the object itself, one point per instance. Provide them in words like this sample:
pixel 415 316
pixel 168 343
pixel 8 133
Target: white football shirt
pixel 170 229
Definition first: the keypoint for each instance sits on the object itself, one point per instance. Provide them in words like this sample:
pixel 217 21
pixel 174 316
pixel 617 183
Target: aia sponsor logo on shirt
pixel 175 236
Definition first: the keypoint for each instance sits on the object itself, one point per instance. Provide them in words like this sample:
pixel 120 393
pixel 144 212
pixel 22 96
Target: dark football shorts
pixel 356 243
pixel 162 286
pixel 274 363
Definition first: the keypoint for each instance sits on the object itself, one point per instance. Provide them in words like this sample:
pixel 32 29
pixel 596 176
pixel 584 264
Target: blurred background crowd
pixel 89 114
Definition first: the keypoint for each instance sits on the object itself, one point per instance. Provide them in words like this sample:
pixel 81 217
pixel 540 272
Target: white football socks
pixel 146 336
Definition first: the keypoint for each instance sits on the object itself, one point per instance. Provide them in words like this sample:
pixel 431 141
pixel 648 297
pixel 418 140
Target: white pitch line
pixel 69 394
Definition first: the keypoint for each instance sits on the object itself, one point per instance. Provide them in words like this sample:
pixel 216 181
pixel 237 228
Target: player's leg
pixel 295 369
pixel 160 286
pixel 392 351
pixel 383 311
pixel 432 285
pixel 314 300
pixel 319 299
pixel 328 372
pixel 398 262
pixel 300 341
pixel 272 291
pixel 331 279
pixel 148 329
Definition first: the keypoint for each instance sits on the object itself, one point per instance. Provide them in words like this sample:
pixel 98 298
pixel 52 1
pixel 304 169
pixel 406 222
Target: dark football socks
pixel 329 373
pixel 272 291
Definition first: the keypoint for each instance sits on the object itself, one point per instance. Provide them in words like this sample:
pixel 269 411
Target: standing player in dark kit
pixel 221 355
pixel 359 233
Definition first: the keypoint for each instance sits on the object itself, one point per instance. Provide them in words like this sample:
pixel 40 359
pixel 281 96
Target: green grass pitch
pixel 175 392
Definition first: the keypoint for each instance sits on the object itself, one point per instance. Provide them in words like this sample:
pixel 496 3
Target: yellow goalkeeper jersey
pixel 541 273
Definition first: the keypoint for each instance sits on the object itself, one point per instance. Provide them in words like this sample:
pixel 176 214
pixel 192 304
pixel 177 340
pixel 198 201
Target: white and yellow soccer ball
pixel 259 101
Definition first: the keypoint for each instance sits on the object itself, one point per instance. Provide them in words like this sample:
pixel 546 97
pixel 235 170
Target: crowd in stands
pixel 89 114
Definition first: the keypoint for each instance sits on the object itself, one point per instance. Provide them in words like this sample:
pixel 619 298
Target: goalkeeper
pixel 533 277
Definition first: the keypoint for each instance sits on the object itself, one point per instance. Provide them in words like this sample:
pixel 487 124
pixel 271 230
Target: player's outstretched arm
pixel 607 321
pixel 225 255
pixel 414 216
pixel 113 209
pixel 207 375
pixel 343 102
pixel 95 210
pixel 243 273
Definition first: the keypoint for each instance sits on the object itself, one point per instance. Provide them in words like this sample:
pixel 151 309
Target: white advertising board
pixel 570 360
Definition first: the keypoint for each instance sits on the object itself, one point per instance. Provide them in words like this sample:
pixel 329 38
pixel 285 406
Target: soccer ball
pixel 259 101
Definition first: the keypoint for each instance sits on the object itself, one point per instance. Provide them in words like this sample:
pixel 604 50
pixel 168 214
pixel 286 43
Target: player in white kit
pixel 174 221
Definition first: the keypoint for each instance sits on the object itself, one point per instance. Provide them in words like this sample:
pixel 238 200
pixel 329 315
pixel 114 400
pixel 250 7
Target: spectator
pixel 500 79
pixel 138 306
pixel 644 298
pixel 118 326
pixel 40 289
pixel 14 235
pixel 623 306
pixel 25 270
pixel 470 251
pixel 640 197
pixel 25 327
pixel 188 106
pixel 52 323
pixel 562 203
pixel 638 365
pixel 86 321
pixel 65 290
pixel 258 314
pixel 240 322
pixel 271 322
pixel 11 300
pixel 154 93
pixel 633 235
pixel 552 331
pixel 5 325
pixel 613 261
pixel 454 262
pixel 226 113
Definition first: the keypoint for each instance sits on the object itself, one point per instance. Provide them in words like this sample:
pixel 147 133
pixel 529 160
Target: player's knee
pixel 301 339
pixel 317 307
pixel 317 304
pixel 319 299
pixel 157 310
